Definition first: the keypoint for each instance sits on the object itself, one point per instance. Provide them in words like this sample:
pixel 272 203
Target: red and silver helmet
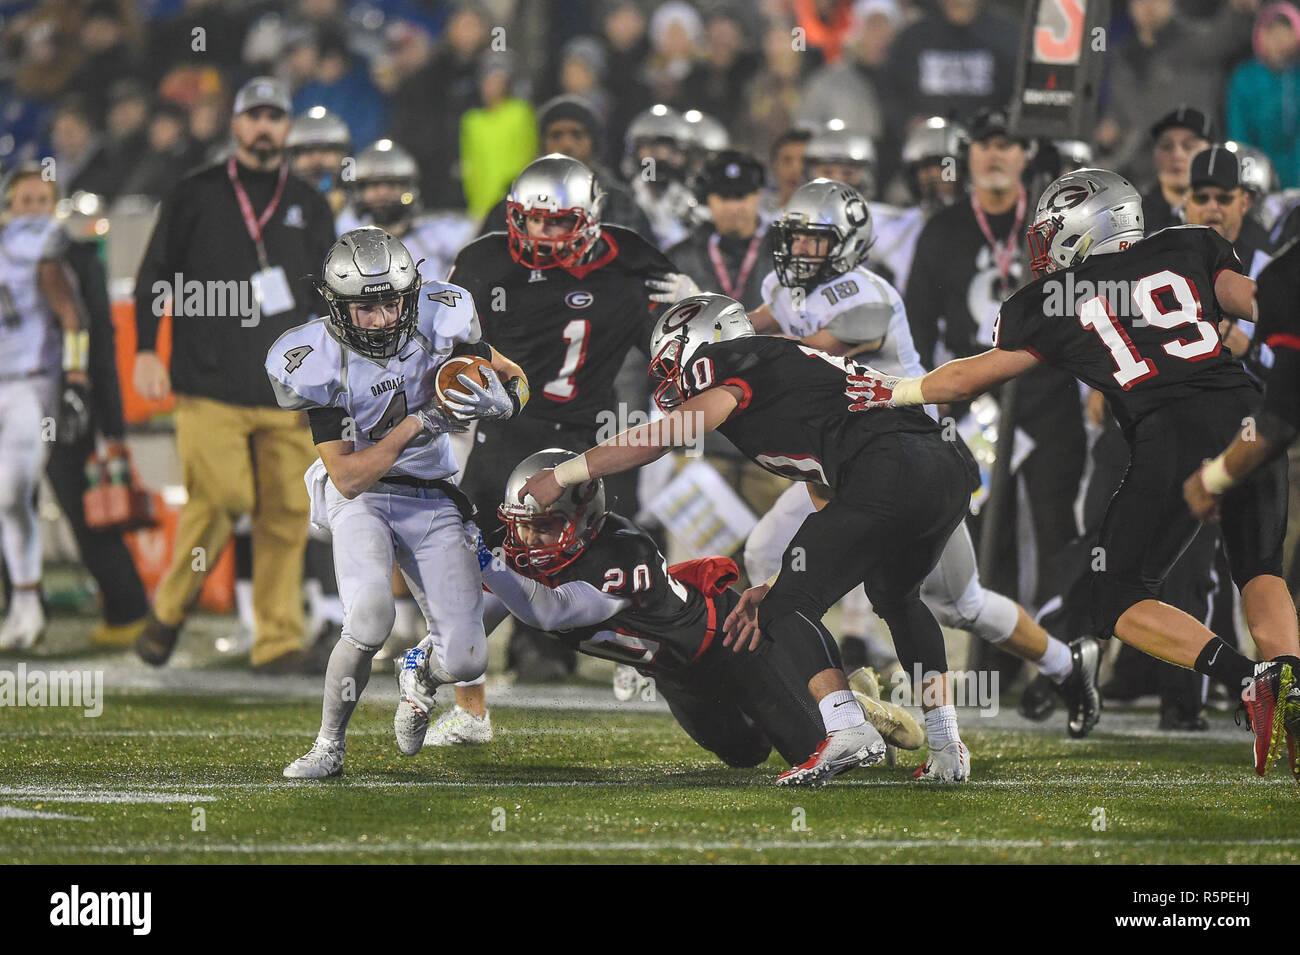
pixel 560 189
pixel 1083 212
pixel 574 520
pixel 692 322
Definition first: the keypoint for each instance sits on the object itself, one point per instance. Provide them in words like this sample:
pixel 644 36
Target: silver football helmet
pixel 706 137
pixel 1082 212
pixel 1258 177
pixel 318 128
pixel 370 267
pixel 849 153
pixel 692 322
pixel 386 162
pixel 659 126
pixel 1074 153
pixel 560 189
pixel 825 209
pixel 933 141
pixel 571 522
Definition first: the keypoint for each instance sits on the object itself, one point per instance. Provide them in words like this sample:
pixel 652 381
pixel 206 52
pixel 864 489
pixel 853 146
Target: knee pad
pixel 370 615
pixel 462 652
pixel 1112 595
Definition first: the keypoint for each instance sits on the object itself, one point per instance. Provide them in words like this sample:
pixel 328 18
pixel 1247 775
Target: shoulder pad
pixel 447 315
pixel 304 366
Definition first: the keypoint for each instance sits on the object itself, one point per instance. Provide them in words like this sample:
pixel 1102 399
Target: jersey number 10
pixel 1130 366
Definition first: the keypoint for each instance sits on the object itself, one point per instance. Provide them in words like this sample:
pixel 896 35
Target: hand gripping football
pixel 459 365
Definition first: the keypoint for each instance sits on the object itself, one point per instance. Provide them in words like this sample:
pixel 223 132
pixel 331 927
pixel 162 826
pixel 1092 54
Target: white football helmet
pixel 1082 212
pixel 692 322
pixel 823 208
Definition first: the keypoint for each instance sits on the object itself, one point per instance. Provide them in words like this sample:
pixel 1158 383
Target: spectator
pixel 959 59
pixel 249 225
pixel 169 156
pixel 78 150
pixel 848 87
pixel 582 74
pixel 785 165
pixel 676 33
pixel 110 43
pixel 624 30
pixel 343 86
pixel 1168 61
pixel 826 25
pixel 1217 200
pixel 772 101
pixel 428 105
pixel 1264 93
pixel 497 139
pixel 126 133
pixel 717 81
pixel 1177 137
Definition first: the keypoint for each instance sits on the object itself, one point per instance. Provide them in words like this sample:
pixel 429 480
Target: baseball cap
pixel 992 122
pixel 1216 166
pixel 1185 117
pixel 730 174
pixel 262 91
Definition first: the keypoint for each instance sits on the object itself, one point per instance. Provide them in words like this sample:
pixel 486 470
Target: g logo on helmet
pixel 683 315
pixel 1067 197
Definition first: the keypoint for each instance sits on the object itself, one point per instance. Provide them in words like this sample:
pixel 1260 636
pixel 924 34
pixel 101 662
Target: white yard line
pixel 92 794
pixel 14 812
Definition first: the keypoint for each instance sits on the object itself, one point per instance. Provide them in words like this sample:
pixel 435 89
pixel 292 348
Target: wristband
pixel 1215 477
pixel 517 389
pixel 907 392
pixel 76 350
pixel 573 471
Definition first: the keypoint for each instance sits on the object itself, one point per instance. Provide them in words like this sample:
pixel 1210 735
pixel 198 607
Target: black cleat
pixel 1039 700
pixel 1082 697
pixel 157 641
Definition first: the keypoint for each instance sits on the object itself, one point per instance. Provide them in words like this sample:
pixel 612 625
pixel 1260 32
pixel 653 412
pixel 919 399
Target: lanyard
pixel 746 265
pixel 1003 254
pixel 255 224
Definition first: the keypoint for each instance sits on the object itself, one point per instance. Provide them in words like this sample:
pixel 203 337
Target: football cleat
pixel 157 641
pixel 459 727
pixel 893 722
pixel 415 699
pixel 24 623
pixel 628 682
pixel 948 765
pixel 1039 700
pixel 1082 696
pixel 1272 704
pixel 839 752
pixel 323 760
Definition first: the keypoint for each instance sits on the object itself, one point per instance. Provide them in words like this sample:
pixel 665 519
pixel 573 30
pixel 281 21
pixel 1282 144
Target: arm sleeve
pixel 158 265
pixel 326 424
pixel 480 348
pixel 566 607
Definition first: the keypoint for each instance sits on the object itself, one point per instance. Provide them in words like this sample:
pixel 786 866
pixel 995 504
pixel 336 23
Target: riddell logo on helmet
pixel 381 287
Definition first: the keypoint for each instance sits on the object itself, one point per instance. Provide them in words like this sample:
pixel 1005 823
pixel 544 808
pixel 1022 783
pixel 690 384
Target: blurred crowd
pixel 127 95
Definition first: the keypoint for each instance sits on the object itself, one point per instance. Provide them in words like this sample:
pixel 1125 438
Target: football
pixel 459 365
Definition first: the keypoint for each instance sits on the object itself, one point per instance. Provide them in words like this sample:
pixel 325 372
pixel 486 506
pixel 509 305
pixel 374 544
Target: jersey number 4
pixel 1148 292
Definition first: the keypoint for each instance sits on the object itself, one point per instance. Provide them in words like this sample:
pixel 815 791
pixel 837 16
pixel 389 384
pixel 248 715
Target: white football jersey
pixel 857 299
pixel 896 230
pixel 31 340
pixel 310 368
pixel 433 238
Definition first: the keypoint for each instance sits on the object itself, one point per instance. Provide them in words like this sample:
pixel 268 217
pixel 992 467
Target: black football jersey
pixel 1141 326
pixel 665 626
pixel 568 329
pixel 796 418
pixel 1278 297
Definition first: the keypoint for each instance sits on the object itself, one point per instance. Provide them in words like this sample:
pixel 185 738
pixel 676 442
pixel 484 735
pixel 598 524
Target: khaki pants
pixel 242 460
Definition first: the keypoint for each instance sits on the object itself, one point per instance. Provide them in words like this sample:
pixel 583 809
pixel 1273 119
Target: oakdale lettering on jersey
pixel 389 384
pixel 75 907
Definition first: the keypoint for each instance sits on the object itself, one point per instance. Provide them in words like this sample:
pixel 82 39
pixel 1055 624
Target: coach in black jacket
pixel 234 252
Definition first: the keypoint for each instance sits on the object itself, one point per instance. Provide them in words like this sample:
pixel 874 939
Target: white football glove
pixel 435 421
pixel 479 401
pixel 671 287
pixel 871 389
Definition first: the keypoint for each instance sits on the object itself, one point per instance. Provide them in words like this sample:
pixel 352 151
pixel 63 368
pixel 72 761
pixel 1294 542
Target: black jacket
pixel 691 255
pixel 219 349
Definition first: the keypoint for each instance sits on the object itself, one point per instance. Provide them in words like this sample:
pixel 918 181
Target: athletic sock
pixel 941 726
pixel 346 676
pixel 840 710
pixel 1221 662
pixel 1056 663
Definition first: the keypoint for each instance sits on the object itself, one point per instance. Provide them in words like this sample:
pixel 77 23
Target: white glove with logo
pixel 435 421
pixel 671 287
pixel 479 401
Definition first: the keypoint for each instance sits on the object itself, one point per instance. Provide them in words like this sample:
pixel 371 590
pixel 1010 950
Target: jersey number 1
pixel 1130 366
pixel 563 387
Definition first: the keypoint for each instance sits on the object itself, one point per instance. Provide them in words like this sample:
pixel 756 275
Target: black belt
pixel 457 496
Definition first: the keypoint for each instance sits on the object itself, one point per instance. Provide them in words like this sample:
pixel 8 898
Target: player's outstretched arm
pixel 1236 294
pixel 353 471
pixel 957 380
pixel 638 446
pixel 566 607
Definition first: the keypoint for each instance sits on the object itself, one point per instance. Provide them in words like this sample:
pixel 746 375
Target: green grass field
pixel 176 777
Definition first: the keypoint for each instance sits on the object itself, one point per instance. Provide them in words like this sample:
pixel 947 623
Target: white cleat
pixel 839 752
pixel 24 623
pixel 323 760
pixel 459 727
pixel 948 765
pixel 628 682
pixel 415 700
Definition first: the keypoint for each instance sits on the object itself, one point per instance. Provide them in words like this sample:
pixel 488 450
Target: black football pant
pixel 739 706
pixel 499 446
pixel 889 521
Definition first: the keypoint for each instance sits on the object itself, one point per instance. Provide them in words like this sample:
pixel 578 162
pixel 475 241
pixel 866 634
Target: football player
pixel 897 491
pixel 386 193
pixel 317 143
pixel 822 293
pixel 44 353
pixel 592 579
pixel 366 375
pixel 1137 319
pixel 656 157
